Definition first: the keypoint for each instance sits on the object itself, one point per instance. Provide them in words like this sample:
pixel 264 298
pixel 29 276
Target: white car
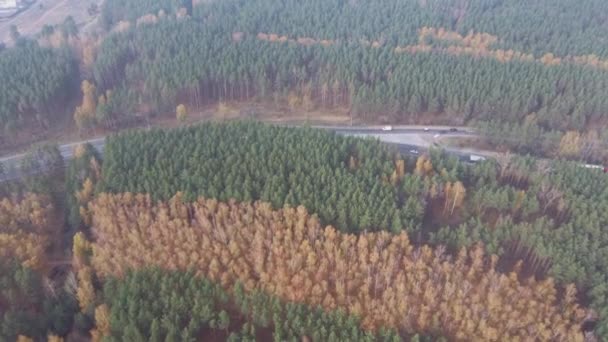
pixel 426 129
pixel 387 128
pixel 414 152
pixel 475 158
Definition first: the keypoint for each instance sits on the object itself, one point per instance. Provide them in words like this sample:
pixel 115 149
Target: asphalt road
pixel 11 164
pixel 406 138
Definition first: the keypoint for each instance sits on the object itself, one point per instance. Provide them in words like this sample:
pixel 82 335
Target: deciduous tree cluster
pixel 379 277
pixel 28 225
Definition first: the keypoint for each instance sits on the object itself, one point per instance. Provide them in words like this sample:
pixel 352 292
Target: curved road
pixel 407 138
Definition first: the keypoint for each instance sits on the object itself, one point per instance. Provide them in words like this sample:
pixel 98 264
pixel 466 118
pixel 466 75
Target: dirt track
pixel 31 21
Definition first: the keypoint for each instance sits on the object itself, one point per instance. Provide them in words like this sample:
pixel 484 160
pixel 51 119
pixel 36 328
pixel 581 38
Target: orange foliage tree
pixel 379 277
pixel 27 225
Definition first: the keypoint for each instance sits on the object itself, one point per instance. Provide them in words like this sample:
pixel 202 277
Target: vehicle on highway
pixel 387 128
pixel 426 129
pixel 476 158
pixel 414 152
pixel 436 136
pixel 453 129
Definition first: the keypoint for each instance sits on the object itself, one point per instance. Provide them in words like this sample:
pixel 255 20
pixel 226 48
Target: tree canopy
pixel 200 60
pixel 547 214
pixel 36 82
pixel 157 305
pixel 344 180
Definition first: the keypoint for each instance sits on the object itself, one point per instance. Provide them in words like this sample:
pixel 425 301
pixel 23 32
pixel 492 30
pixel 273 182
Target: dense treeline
pixel 573 29
pixel 388 60
pixel 26 309
pixel 563 27
pixel 379 277
pixel 344 180
pixel 155 305
pixel 36 83
pixel 564 234
pixel 187 59
pixel 366 58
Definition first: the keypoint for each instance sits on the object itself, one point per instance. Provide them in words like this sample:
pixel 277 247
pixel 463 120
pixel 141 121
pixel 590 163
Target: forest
pixel 243 231
pixel 34 304
pixel 36 82
pixel 546 213
pixel 379 277
pixel 251 161
pixel 371 81
pixel 490 64
pixel 434 71
pixel 520 25
pixel 293 232
pixel 200 312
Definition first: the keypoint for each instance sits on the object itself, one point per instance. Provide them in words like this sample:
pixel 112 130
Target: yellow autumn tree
pixel 28 225
pixel 181 113
pixel 380 277
pixel 84 116
pixel 424 166
pixel 81 249
pixel 85 291
pixel 293 101
pixel 102 323
pixel 400 167
pixel 29 249
pixel 79 151
pixel 86 194
pixel 457 196
pixel 54 338
pixel 570 144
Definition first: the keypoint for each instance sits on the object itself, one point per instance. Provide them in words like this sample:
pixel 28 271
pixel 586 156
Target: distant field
pixel 53 12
